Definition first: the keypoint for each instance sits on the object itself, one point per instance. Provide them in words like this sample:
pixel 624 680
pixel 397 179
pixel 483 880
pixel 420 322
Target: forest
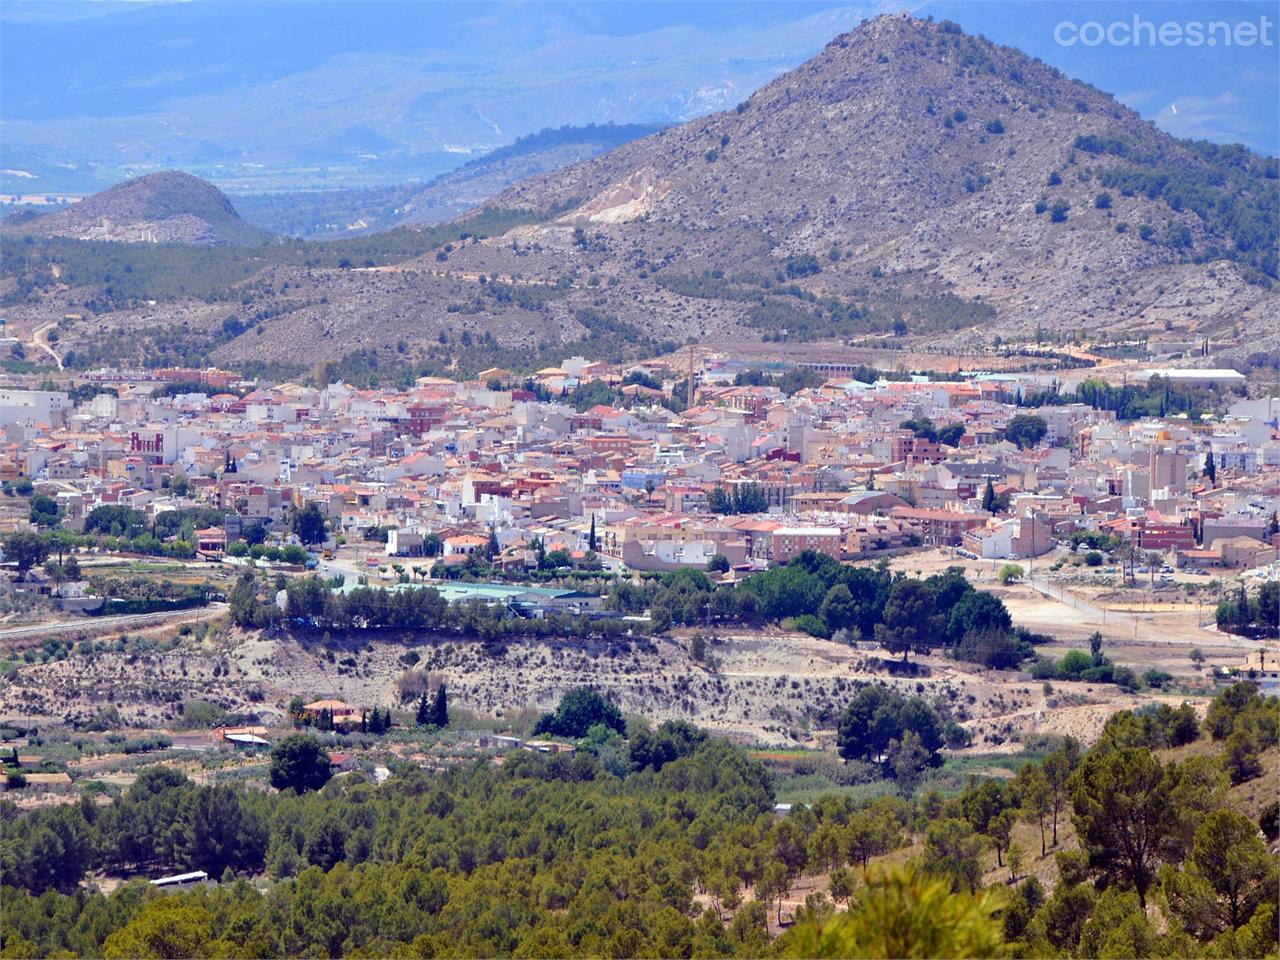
pixel 676 852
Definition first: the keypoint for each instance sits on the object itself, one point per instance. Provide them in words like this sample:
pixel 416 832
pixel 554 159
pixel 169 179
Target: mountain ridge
pixel 908 148
pixel 912 185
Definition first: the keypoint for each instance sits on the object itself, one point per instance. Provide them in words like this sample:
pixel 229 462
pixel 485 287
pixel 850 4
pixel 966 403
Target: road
pixel 89 626
pixel 40 339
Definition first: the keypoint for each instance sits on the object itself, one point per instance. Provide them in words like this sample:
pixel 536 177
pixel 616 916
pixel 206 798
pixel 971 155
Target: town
pixel 531 495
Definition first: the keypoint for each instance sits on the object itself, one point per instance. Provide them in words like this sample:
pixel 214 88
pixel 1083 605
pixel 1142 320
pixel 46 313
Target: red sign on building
pixel 141 444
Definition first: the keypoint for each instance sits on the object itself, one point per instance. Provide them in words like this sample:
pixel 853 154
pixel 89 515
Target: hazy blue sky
pixel 302 93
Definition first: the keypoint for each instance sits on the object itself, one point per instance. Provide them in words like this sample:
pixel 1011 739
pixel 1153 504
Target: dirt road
pixel 18 638
pixel 40 339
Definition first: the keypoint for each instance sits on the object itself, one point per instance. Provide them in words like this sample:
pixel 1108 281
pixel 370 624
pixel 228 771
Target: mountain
pixel 911 163
pixel 909 187
pixel 326 214
pixel 169 207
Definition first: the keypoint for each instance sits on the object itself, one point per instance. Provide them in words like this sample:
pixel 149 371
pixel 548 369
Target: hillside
pixel 169 207
pixel 453 194
pixel 325 214
pixel 911 185
pixel 908 154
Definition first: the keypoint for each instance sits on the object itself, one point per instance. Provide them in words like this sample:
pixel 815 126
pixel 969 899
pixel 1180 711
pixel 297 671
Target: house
pixel 211 542
pixel 789 542
pixel 182 881
pixel 1243 552
pixel 48 782
pixel 940 528
pixel 1010 539
pixel 337 709
pixel 464 545
pixel 404 543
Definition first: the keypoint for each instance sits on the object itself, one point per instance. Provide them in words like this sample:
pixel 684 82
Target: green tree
pixel 580 709
pixel 843 884
pixel 868 835
pixel 1032 788
pixel 910 620
pixel 1010 572
pixel 989 497
pixel 903 913
pixel 440 708
pixel 299 762
pixel 308 524
pixel 773 885
pixel 26 550
pixel 1026 430
pixel 1230 857
pixel 908 759
pixel 1240 755
pixel 1211 469
pixel 1000 832
pixel 953 850
pixel 167 929
pixel 45 511
pixel 217 832
pixel 838 610
pixel 1123 810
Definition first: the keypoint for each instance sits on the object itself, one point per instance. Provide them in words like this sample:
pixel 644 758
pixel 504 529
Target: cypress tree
pixel 440 709
pixel 424 710
pixel 989 498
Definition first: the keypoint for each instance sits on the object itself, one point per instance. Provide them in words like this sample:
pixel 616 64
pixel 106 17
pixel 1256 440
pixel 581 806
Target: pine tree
pixel 424 710
pixel 440 709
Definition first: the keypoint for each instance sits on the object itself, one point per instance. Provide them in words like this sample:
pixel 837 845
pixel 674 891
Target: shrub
pixel 1011 572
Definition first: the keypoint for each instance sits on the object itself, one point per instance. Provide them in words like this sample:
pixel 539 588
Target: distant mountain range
pixel 266 97
pixel 325 214
pixel 909 184
pixel 328 94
